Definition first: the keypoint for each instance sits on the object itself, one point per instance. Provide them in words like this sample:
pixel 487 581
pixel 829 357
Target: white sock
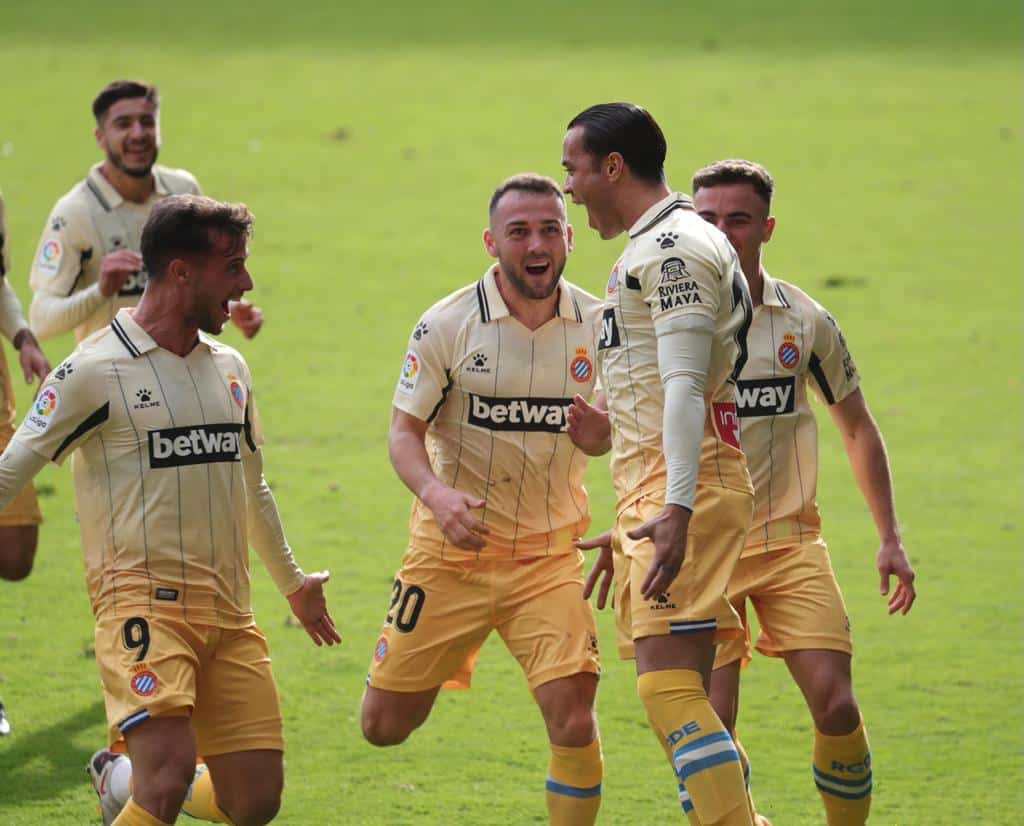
pixel 120 780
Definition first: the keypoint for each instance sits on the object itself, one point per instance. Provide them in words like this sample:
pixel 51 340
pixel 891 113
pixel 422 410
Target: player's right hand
pixel 310 608
pixel 667 531
pixel 588 427
pixel 603 569
pixel 451 509
pixel 116 268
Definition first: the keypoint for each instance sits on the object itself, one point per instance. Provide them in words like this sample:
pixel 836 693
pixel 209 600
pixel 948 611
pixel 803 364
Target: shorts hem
pixel 566 670
pixel 115 733
pixel 806 644
pixel 241 744
pixel 627 651
pixel 410 686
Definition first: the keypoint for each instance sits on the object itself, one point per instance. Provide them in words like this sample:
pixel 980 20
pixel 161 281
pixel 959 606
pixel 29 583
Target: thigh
pixel 247 780
pixel 799 604
pixel 542 617
pixel 696 602
pixel 439 613
pixel 23 509
pixel 237 707
pixel 148 667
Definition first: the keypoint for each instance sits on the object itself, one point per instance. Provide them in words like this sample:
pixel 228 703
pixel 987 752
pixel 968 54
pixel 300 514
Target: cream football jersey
pixel 793 344
pixel 157 473
pixel 496 396
pixel 6 390
pixel 674 265
pixel 89 222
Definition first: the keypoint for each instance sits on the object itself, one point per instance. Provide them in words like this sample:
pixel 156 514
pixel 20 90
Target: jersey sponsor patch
pixel 410 374
pixel 50 254
pixel 581 368
pixel 727 423
pixel 529 414
pixel 196 445
pixel 609 335
pixel 765 397
pixel 144 683
pixel 41 413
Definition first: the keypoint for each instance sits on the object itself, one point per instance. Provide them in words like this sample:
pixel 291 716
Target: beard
pixel 134 171
pixel 524 287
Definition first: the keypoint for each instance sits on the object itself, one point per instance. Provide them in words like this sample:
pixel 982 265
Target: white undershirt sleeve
pixel 684 356
pixel 52 314
pixel 18 466
pixel 12 319
pixel 266 534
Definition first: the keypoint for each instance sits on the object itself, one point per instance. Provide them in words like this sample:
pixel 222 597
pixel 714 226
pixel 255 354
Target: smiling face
pixel 738 211
pixel 531 240
pixel 588 181
pixel 217 277
pixel 129 134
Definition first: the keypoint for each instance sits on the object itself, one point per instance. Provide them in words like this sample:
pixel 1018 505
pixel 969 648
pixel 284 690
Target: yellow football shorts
pixel 152 665
pixel 696 600
pixel 798 603
pixel 23 509
pixel 441 611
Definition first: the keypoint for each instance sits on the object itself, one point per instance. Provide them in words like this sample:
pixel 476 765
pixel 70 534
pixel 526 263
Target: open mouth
pixel 538 268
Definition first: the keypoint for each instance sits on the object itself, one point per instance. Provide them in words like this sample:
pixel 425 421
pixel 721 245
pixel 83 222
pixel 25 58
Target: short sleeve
pixel 424 377
pixel 675 283
pixel 63 247
pixel 833 372
pixel 68 411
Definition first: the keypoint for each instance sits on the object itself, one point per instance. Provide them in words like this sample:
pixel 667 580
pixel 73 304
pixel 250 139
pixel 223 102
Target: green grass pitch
pixel 367 142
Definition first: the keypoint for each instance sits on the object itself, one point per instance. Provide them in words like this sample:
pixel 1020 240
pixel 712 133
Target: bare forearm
pixel 869 461
pixel 409 458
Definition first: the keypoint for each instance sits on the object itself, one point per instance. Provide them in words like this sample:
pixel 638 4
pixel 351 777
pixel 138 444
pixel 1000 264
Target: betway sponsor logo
pixel 765 397
pixel 531 414
pixel 196 445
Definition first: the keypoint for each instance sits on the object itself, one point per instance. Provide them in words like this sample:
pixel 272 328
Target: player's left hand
pixel 603 569
pixel 33 363
pixel 310 608
pixel 667 531
pixel 246 316
pixel 588 427
pixel 892 561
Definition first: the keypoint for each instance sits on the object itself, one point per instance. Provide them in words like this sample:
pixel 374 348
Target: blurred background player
pixel 794 344
pixel 671 342
pixel 19 521
pixel 167 436
pixel 488 376
pixel 88 264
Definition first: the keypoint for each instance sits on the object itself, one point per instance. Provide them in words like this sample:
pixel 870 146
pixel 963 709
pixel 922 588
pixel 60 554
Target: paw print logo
pixel 663 598
pixel 63 371
pixel 420 331
pixel 667 239
pixel 143 395
pixel 58 223
pixel 479 359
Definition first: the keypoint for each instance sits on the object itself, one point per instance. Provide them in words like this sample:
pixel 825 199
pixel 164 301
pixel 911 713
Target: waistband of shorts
pixel 778 535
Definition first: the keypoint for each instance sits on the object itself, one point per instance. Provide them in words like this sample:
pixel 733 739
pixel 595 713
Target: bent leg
pixel 163 755
pixel 842 757
pixel 17 550
pixel 389 717
pixel 248 785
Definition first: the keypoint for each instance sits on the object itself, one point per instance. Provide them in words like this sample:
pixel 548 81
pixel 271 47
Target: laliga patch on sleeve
pixel 410 373
pixel 50 254
pixel 41 412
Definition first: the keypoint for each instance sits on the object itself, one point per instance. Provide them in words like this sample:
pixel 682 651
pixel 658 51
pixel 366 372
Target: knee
pixel 167 786
pixel 16 562
pixel 260 806
pixel 839 714
pixel 382 729
pixel 573 726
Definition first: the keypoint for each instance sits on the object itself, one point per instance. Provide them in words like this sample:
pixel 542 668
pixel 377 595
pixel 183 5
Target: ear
pixel 489 245
pixel 98 134
pixel 568 235
pixel 614 166
pixel 177 269
pixel 769 228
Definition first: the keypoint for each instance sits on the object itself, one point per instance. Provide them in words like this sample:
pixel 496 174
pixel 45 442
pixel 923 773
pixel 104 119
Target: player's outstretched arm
pixel 588 425
pixel 451 508
pixel 869 460
pixel 603 569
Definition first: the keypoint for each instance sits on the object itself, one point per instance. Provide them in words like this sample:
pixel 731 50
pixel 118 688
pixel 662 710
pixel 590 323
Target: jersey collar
pixel 137 341
pixel 659 211
pixel 109 197
pixel 774 294
pixel 492 306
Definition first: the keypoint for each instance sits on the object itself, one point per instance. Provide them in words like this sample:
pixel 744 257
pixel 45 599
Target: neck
pixel 128 186
pixel 160 316
pixel 755 280
pixel 530 312
pixel 639 198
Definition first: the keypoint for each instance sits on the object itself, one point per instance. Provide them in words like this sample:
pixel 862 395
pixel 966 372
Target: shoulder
pixel 589 304
pixel 177 181
pixel 799 300
pixel 457 307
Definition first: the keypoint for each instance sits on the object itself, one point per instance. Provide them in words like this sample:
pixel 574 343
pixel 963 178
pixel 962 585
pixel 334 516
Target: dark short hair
pixel 629 130
pixel 119 90
pixel 525 182
pixel 736 171
pixel 182 225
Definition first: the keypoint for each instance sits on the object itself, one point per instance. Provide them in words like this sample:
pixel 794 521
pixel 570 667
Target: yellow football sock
pixel 574 784
pixel 134 815
pixel 842 773
pixel 703 755
pixel 200 801
pixel 745 763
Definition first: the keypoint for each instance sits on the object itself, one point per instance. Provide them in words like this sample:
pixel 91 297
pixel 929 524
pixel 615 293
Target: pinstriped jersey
pixel 6 390
pixel 675 265
pixel 793 344
pixel 496 395
pixel 157 472
pixel 93 220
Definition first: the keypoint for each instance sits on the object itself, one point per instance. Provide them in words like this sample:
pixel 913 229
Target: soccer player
pixel 88 264
pixel 19 521
pixel 170 490
pixel 478 435
pixel 794 344
pixel 671 344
